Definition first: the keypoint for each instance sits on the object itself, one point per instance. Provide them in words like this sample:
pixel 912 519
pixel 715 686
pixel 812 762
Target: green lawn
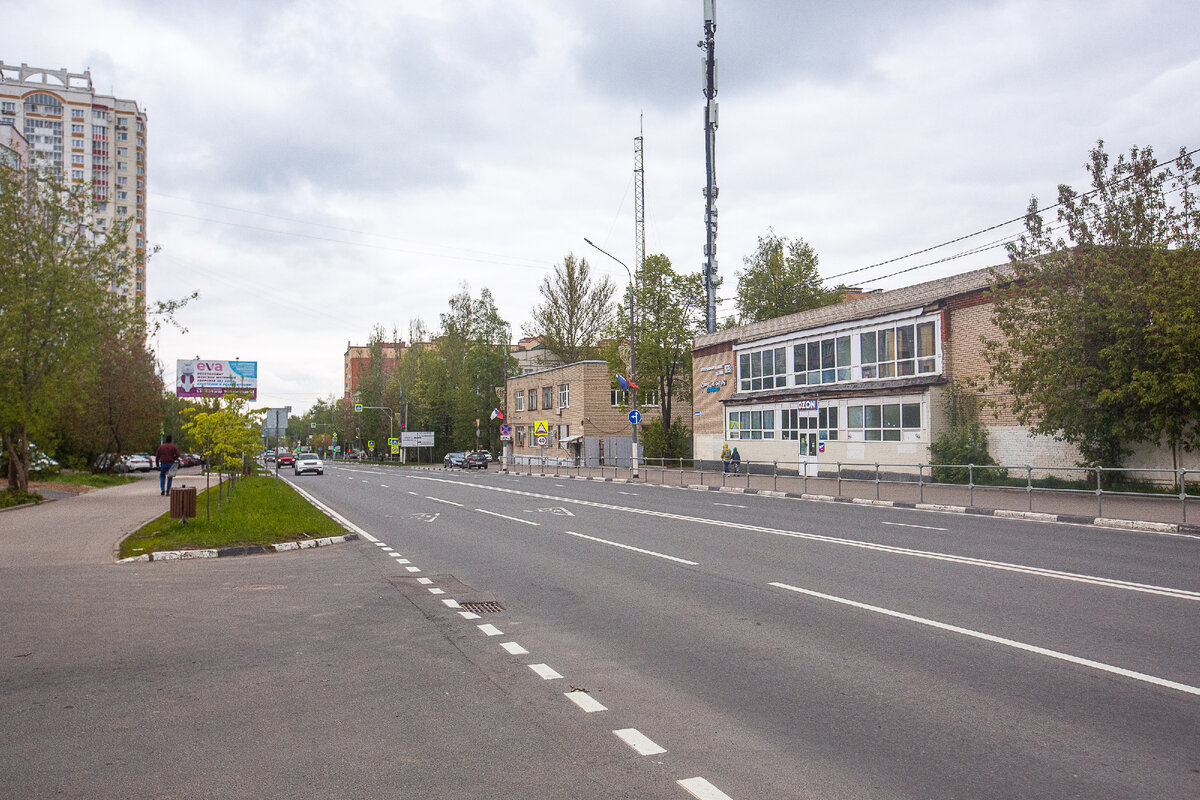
pixel 261 510
pixel 99 480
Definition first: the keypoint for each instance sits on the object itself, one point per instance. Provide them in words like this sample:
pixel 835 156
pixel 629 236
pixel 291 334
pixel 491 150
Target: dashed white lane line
pixel 400 559
pixel 440 500
pixel 387 549
pixel 513 648
pixel 451 602
pixel 467 614
pixel 987 637
pixel 505 516
pixel 631 494
pixel 436 590
pixel 424 581
pixel 490 630
pixel 639 742
pixel 584 701
pixel 545 671
pixel 702 789
pixel 922 527
pixel 634 549
pixel 414 494
pixel 384 486
pixel 730 505
pixel 413 569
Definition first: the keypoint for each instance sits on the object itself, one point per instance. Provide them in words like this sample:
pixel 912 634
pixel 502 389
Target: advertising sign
pixel 201 378
pixel 417 439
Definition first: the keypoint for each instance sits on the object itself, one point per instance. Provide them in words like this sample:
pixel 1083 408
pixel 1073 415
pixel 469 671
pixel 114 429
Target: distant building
pixel 14 149
pixel 532 355
pixel 358 357
pixel 87 137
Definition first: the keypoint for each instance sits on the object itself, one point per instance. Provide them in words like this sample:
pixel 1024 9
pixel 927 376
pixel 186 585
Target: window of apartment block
pixel 899 351
pixel 619 397
pixel 883 422
pixel 822 361
pixel 547 397
pixel 520 436
pixel 519 401
pixel 762 369
pixel 533 396
pixel 564 431
pixel 751 424
pixel 564 395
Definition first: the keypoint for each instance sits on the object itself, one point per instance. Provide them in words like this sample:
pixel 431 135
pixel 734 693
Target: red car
pixel 285 459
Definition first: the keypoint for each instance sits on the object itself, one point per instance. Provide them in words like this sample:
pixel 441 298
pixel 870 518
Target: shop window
pixel 883 422
pixel 751 425
pixel 763 369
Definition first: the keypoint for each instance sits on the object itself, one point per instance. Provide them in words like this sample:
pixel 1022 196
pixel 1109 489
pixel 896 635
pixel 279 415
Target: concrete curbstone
pixel 209 553
pixel 1134 525
pixel 1036 516
pixel 866 501
pixel 938 507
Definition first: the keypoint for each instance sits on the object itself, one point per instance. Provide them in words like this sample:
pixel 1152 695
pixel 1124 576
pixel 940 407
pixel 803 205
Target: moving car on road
pixel 308 462
pixel 285 459
pixel 458 459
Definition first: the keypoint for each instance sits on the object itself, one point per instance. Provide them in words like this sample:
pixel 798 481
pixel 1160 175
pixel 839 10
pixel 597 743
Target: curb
pixel 1000 513
pixel 248 550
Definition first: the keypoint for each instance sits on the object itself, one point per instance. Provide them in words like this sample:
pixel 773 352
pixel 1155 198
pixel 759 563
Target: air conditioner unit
pixel 558 411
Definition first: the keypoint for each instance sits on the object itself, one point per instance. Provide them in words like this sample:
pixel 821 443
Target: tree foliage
pixel 574 313
pixel 781 278
pixel 965 440
pixel 229 434
pixel 1101 325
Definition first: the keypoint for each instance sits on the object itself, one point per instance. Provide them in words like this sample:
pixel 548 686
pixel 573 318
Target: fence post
pixel 775 476
pixel 971 484
pixel 1183 493
pixel 1029 484
pixel 876 480
pixel 921 482
pixel 1099 491
pixel 839 478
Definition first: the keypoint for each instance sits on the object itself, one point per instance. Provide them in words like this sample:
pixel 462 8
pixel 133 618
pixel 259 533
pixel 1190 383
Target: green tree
pixel 1101 327
pixel 781 278
pixel 668 313
pixel 575 311
pixel 229 434
pixel 965 440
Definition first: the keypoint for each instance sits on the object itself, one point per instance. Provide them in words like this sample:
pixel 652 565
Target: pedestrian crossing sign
pixel 541 427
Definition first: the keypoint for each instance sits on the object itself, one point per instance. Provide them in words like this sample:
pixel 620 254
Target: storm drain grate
pixel 483 608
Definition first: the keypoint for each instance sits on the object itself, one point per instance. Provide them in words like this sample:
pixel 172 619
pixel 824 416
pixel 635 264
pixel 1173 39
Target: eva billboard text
pixel 203 378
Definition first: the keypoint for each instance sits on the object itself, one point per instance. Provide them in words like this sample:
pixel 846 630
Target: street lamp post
pixel 632 350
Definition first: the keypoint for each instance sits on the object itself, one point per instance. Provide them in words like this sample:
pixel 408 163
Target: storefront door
pixel 809 448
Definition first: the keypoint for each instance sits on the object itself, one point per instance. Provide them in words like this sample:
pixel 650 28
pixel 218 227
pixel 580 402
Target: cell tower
pixel 639 202
pixel 709 45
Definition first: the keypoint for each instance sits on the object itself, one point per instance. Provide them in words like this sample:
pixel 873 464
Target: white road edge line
pixel 906 525
pixel 505 516
pixel 639 742
pixel 634 549
pixel 702 789
pixel 335 516
pixel 584 701
pixel 987 637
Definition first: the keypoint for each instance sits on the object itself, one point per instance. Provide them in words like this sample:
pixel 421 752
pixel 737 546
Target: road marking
pixel 639 742
pixel 436 590
pixel 467 614
pixel 381 544
pixel 424 581
pixel 386 549
pixel 703 790
pixel 451 602
pixel 1112 583
pixel 505 516
pixel 634 549
pixel 401 560
pixel 987 637
pixel 412 569
pixel 544 670
pixel 730 505
pixel 384 486
pixel 490 630
pixel 584 701
pixel 414 494
pixel 514 649
pixel 631 494
pixel 440 500
pixel 922 527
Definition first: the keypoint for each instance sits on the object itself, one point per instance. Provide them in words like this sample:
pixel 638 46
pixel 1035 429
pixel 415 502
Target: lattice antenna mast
pixel 639 202
pixel 709 45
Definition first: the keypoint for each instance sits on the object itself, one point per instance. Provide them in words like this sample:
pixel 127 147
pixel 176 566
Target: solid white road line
pixel 1112 583
pixel 631 547
pixel 730 505
pixel 922 527
pixel 544 670
pixel 440 500
pixel 703 790
pixel 987 637
pixel 584 701
pixel 505 516
pixel 639 742
pixel 514 649
pixel 490 630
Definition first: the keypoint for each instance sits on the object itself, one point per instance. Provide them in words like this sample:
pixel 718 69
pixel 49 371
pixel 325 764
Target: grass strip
pixel 100 480
pixel 259 510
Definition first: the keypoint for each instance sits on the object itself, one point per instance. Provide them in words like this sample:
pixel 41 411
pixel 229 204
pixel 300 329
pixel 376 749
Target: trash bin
pixel 183 502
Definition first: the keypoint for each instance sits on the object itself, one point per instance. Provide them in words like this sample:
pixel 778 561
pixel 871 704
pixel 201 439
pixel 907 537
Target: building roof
pixel 552 369
pixel 871 305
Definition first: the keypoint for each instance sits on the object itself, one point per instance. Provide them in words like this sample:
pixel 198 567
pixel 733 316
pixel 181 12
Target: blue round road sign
pixel 635 417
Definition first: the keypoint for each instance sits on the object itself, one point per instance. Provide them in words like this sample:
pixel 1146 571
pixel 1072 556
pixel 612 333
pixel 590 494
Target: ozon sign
pixel 199 378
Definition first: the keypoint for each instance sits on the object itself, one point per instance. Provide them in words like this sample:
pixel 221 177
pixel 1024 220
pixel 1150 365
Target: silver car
pixel 308 462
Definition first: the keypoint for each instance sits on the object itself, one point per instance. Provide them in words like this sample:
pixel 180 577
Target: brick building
pixel 357 358
pixel 587 415
pixel 862 382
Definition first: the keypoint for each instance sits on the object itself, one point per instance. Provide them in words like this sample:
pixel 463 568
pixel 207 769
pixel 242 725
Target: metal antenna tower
pixel 639 201
pixel 709 45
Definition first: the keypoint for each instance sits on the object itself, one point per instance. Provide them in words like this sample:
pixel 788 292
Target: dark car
pixel 454 460
pixel 478 459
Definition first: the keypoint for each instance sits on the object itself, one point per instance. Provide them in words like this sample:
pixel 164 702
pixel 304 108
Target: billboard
pixel 201 378
pixel 417 439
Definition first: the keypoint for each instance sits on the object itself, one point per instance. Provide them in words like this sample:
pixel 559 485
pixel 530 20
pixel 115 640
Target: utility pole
pixel 709 45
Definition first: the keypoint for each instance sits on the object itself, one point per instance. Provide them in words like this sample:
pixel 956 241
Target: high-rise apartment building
pixel 89 138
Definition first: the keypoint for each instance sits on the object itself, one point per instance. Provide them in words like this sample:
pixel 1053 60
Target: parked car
pixel 110 462
pixel 308 462
pixel 39 462
pixel 285 459
pixel 454 460
pixel 475 460
pixel 139 462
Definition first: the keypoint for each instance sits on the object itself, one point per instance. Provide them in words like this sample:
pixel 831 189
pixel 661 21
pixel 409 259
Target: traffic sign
pixel 395 449
pixel 542 440
pixel 370 444
pixel 394 441
pixel 541 427
pixel 312 424
pixel 635 416
pixel 358 408
pixel 506 429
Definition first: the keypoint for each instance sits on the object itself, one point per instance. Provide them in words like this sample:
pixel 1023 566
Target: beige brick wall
pixel 709 369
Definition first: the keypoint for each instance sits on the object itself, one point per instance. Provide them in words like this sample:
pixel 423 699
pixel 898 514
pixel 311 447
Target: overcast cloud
pixel 316 168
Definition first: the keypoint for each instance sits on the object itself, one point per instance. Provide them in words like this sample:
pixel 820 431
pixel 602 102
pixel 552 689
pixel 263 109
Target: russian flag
pixel 625 383
pixel 496 414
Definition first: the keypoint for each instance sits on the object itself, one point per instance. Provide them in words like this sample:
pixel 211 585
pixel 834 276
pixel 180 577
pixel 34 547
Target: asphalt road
pixel 780 648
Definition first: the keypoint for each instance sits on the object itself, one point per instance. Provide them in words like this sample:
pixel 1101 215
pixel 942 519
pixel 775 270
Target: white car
pixel 139 462
pixel 308 462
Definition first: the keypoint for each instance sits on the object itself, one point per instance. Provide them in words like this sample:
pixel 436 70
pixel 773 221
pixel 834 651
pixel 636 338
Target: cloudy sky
pixel 317 168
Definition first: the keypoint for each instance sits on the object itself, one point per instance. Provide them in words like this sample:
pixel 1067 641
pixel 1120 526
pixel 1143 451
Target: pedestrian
pixel 735 461
pixel 167 456
pixel 725 456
